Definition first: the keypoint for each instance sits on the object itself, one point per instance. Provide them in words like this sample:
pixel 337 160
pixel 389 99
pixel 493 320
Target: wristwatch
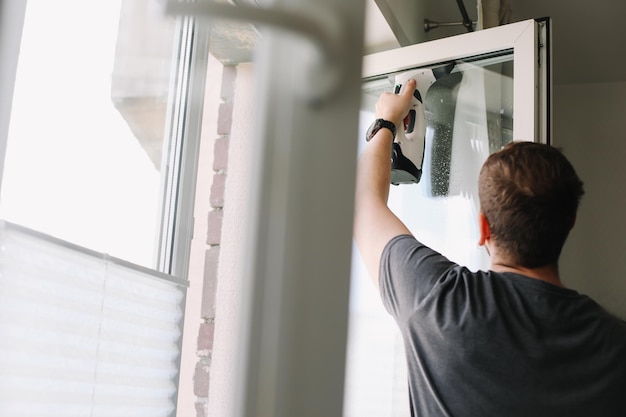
pixel 377 125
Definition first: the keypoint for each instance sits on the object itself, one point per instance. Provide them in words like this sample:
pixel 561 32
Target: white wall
pixel 590 127
pixel 234 229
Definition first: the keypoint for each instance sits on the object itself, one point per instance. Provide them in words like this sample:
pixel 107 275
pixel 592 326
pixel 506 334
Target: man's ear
pixel 483 228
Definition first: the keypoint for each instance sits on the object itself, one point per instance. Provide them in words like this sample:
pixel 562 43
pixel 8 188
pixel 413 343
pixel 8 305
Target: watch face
pixel 377 125
pixel 371 131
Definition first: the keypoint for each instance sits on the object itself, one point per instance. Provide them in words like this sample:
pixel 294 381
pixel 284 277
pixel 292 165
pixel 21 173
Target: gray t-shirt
pixel 500 344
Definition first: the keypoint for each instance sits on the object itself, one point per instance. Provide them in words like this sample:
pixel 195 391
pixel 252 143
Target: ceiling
pixel 587 37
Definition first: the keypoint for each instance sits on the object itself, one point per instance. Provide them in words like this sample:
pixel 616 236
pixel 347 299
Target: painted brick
pixel 205 339
pixel 202 408
pixel 215 217
pixel 224 118
pixel 209 287
pixel 229 75
pixel 214 227
pixel 220 154
pixel 201 379
pixel 216 199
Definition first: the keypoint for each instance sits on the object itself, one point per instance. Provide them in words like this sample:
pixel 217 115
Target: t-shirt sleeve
pixel 409 272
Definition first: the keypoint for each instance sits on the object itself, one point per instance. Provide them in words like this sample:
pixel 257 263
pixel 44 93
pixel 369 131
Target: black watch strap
pixel 379 124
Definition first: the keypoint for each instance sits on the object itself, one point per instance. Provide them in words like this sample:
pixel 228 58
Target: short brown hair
pixel 529 193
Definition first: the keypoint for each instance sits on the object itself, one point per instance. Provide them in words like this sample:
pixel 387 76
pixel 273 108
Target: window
pixel 482 97
pixel 93 145
pixel 468 114
pixel 96 206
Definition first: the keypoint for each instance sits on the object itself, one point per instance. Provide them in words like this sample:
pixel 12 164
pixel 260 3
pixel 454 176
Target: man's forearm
pixel 374 169
pixel 374 223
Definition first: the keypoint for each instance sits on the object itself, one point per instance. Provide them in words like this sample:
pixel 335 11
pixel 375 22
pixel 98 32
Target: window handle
pixel 313 21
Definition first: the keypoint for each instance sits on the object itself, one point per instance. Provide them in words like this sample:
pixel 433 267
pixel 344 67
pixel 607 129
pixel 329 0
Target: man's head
pixel 529 194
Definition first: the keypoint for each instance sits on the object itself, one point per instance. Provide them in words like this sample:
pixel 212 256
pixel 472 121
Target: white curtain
pixel 84 334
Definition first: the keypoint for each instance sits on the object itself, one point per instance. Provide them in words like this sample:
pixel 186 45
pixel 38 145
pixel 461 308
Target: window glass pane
pixel 468 114
pixel 87 126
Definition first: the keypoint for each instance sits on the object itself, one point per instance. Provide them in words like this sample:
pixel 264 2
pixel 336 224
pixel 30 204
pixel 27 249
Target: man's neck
pixel 548 273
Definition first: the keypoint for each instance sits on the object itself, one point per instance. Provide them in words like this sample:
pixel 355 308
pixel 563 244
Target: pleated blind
pixel 83 334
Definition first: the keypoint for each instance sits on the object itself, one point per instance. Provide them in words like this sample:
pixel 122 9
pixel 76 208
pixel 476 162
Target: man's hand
pixel 395 107
pixel 374 224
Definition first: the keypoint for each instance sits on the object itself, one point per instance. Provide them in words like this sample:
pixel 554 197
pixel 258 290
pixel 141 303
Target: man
pixel 511 341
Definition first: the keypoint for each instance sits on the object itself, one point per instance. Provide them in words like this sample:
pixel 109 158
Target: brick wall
pixel 213 241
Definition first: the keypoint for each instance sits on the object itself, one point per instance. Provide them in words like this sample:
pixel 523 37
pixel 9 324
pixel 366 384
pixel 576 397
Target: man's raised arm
pixel 374 223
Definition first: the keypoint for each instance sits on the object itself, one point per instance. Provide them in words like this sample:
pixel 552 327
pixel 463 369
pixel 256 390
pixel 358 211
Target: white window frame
pixel 185 125
pixel 11 24
pixel 529 41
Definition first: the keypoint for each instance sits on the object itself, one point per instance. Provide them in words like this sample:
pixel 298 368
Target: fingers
pixel 394 107
pixel 407 93
pixel 408 88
